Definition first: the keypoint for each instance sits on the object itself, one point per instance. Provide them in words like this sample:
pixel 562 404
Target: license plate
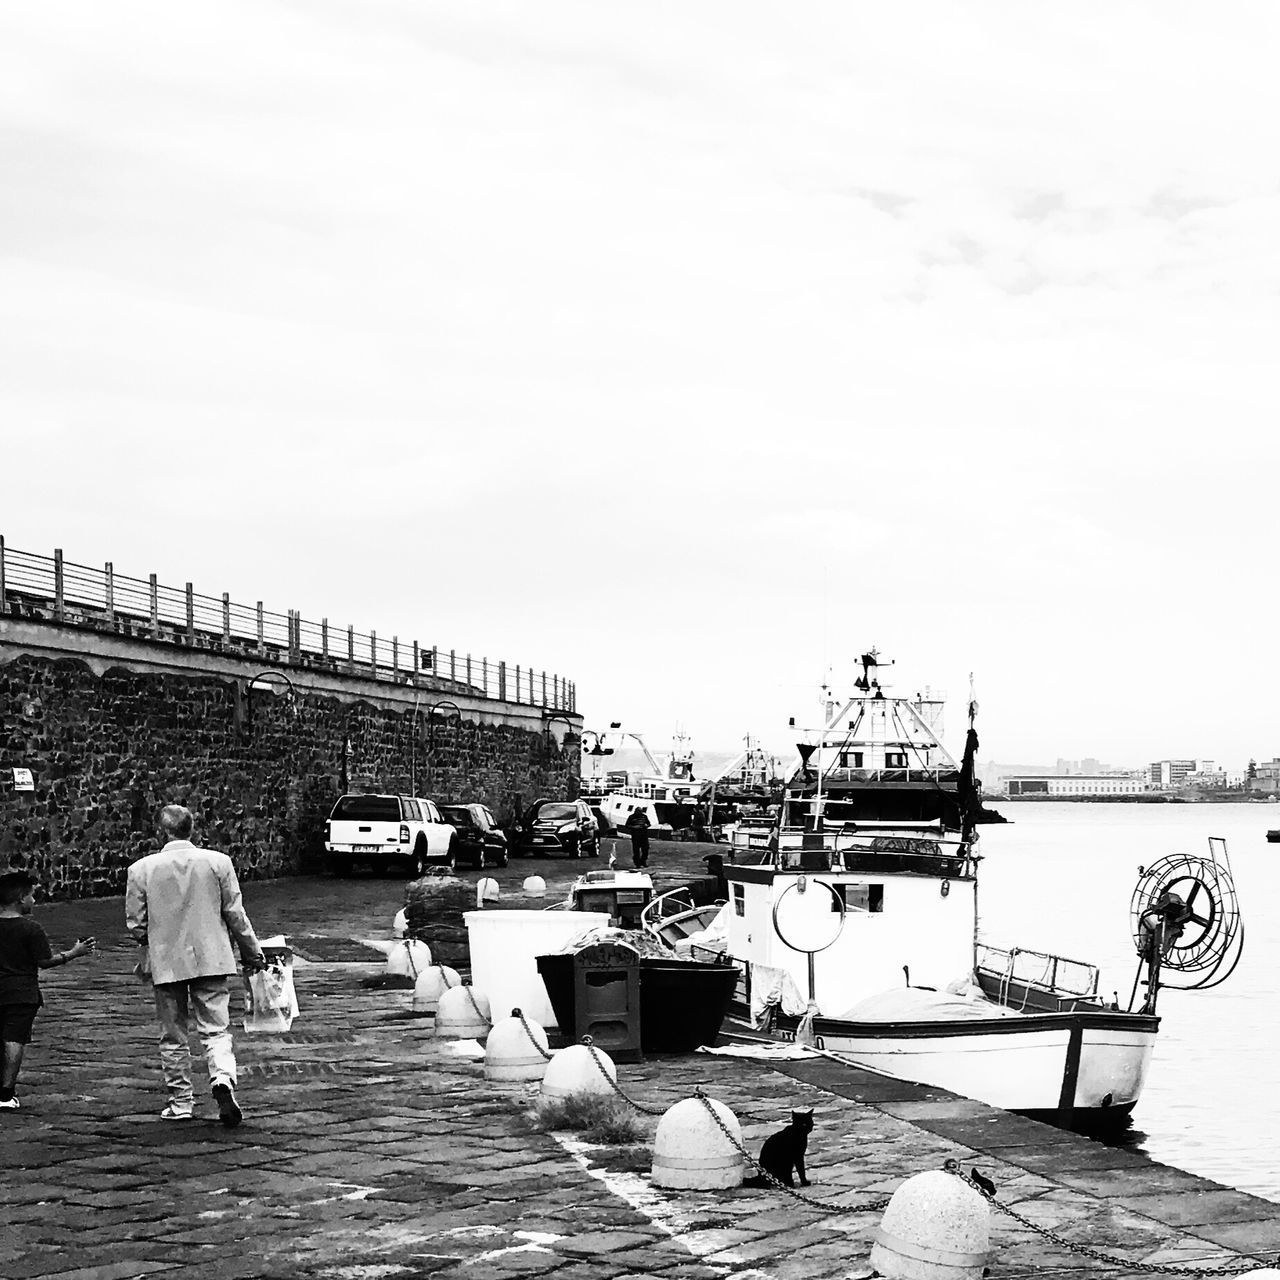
pixel 366 848
pixel 541 839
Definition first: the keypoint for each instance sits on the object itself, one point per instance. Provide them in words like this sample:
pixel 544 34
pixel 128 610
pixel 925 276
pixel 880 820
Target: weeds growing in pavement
pixel 600 1118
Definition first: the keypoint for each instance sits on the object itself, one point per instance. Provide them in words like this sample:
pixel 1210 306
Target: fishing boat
pixel 853 921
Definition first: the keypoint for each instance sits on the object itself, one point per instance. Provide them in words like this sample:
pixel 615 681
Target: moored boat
pixel 854 925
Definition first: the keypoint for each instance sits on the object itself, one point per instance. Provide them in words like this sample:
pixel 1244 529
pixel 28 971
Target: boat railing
pixel 836 773
pixel 1015 976
pixel 667 904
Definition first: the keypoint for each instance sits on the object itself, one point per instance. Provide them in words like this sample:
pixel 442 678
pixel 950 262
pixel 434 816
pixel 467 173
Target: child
pixel 24 951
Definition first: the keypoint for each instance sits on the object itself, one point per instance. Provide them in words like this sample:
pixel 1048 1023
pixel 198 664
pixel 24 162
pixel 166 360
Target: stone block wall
pixel 259 770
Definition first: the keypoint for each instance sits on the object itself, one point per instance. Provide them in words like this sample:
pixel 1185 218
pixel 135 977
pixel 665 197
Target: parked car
pixel 558 826
pixel 381 831
pixel 478 840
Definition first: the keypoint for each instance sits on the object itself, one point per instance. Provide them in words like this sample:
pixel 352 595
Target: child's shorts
pixel 16 1021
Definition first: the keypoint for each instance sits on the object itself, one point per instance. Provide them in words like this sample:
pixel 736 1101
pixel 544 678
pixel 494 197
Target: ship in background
pixel 679 790
pixel 878 758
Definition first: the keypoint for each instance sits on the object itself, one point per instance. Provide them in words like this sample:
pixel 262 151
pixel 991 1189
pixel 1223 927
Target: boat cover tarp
pixel 645 943
pixel 715 937
pixel 772 988
pixel 919 1004
pixel 778 1052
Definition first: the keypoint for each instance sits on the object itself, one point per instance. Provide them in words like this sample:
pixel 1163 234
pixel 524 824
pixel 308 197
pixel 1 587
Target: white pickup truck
pixel 380 831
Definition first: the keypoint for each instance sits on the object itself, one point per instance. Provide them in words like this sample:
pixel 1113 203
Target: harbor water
pixel 1059 877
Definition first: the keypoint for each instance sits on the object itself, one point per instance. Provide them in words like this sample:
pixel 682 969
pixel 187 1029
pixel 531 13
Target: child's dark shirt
pixel 23 945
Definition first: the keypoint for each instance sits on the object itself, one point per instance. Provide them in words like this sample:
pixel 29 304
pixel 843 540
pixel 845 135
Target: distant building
pixel 1168 775
pixel 1050 785
pixel 1266 779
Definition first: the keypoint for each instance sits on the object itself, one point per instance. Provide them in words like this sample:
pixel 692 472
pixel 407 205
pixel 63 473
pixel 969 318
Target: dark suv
pixel 478 840
pixel 558 826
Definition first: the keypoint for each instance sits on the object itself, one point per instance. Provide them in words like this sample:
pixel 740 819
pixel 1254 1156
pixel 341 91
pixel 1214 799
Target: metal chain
pixel 524 1022
pixel 598 1058
pixel 873 1207
pixel 1155 1268
pixel 484 1017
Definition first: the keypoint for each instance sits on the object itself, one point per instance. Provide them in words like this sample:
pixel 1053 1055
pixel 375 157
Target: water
pixel 1059 878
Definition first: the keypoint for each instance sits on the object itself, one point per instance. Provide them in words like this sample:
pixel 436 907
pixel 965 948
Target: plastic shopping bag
pixel 270 1001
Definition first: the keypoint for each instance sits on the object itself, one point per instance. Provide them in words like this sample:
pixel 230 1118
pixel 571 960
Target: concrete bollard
pixel 691 1151
pixel 935 1228
pixel 515 1050
pixel 487 890
pixel 534 886
pixel 432 983
pixel 409 958
pixel 578 1069
pixel 462 1014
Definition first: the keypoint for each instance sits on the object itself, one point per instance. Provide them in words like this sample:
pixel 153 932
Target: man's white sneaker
pixel 175 1113
pixel 9 1104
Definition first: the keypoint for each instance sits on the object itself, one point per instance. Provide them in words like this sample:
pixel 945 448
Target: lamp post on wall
pixel 431 729
pixel 570 735
pixel 265 677
pixel 345 780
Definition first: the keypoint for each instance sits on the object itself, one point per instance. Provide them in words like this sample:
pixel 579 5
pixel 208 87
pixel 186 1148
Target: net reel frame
pixel 1186 925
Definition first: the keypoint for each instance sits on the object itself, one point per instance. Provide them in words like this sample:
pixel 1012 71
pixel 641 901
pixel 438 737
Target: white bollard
pixel 936 1227
pixel 400 925
pixel 409 958
pixel 515 1050
pixel 534 886
pixel 462 1014
pixel 691 1150
pixel 578 1069
pixel 487 890
pixel 432 983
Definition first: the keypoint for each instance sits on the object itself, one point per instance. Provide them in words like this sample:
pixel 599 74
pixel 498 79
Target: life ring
pixel 835 897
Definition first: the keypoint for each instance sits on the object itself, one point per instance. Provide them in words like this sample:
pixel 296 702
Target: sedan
pixel 478 840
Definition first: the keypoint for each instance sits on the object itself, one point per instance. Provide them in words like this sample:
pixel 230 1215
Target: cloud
pixel 958 322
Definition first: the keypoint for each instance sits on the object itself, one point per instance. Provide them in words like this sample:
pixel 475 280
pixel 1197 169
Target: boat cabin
pixel 623 894
pixel 874 908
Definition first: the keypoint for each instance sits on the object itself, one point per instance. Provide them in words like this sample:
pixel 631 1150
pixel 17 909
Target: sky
pixel 684 349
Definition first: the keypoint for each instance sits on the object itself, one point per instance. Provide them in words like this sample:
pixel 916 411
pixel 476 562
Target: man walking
pixel 638 824
pixel 184 904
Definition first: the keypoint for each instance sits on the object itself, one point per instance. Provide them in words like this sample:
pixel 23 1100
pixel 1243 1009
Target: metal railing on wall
pixel 53 589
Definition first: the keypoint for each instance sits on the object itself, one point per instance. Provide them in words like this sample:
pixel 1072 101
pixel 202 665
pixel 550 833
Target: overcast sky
pixel 685 349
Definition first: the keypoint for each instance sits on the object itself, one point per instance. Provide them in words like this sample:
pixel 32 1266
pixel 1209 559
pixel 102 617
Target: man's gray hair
pixel 176 822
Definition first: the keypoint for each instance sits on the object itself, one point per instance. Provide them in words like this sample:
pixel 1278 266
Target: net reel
pixel 1185 919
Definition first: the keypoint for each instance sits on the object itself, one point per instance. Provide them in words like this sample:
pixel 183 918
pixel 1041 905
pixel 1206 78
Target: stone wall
pixel 260 770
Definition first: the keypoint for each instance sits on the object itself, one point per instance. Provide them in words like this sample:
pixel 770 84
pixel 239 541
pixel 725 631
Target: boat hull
pixel 1083 1069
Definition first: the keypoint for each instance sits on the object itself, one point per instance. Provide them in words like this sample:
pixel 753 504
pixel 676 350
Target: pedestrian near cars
pixel 184 905
pixel 638 825
pixel 24 951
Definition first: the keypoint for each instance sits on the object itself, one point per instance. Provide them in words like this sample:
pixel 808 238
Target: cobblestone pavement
pixel 371 1149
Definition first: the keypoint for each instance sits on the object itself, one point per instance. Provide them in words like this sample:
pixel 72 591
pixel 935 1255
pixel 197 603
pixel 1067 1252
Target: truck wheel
pixel 418 863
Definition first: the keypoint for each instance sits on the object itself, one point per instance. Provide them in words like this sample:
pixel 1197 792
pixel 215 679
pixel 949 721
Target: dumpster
pixel 682 1002
pixel 606 999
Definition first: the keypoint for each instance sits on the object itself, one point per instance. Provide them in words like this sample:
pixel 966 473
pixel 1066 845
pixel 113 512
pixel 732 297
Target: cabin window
pixel 860 897
pixel 739 900
pixel 851 759
pixel 895 759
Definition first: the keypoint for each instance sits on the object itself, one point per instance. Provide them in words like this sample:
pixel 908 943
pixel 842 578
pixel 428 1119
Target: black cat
pixel 783 1152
